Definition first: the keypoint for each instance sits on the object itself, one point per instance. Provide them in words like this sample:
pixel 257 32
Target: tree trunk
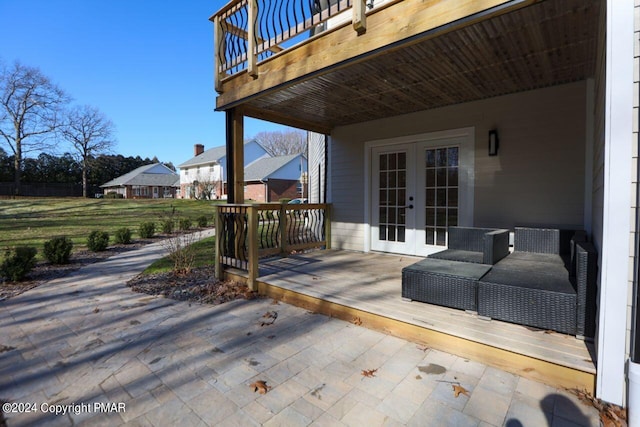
pixel 17 165
pixel 84 178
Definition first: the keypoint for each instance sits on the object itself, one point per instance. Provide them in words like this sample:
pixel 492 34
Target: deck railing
pixel 249 31
pixel 245 233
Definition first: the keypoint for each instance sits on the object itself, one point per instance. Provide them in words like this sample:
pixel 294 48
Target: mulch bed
pixel 199 285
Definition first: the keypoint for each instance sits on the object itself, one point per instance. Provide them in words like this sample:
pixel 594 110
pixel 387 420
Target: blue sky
pixel 148 66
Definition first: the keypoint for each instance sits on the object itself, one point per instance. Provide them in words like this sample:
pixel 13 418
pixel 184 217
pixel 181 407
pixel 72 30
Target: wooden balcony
pixel 398 57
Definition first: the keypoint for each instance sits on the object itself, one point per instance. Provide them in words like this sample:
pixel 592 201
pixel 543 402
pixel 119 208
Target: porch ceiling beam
pixel 343 46
pixel 276 117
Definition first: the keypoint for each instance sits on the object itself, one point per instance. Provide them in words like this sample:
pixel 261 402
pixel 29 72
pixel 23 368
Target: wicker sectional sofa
pixel 548 282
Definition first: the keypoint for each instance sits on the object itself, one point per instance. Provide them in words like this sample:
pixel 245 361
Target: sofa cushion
pixel 459 255
pixel 449 268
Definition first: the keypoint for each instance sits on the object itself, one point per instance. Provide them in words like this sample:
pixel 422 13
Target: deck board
pixel 371 282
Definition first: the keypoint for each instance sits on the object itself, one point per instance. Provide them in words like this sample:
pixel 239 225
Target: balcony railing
pixel 245 233
pixel 250 31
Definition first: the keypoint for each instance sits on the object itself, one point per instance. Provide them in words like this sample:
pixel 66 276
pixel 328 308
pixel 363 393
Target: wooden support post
pixel 218 53
pixel 235 156
pixel 238 156
pixel 218 247
pixel 284 224
pixel 252 213
pixel 327 226
pixel 252 52
pixel 359 16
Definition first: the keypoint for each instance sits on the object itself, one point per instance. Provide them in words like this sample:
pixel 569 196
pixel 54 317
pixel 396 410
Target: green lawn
pixel 203 251
pixel 32 221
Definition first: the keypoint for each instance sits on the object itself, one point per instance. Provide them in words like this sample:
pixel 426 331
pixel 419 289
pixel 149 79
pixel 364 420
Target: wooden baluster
pixel 359 16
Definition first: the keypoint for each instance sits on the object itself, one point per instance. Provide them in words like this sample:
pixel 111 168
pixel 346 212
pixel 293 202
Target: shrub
pixel 98 241
pixel 18 263
pixel 167 226
pixel 123 236
pixel 58 250
pixel 113 195
pixel 147 230
pixel 184 224
pixel 202 221
pixel 181 252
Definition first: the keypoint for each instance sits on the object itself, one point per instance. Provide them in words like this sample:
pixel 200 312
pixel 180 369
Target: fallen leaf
pixel 260 386
pixel 458 389
pixel 5 348
pixel 274 302
pixel 422 347
pixel 95 310
pixel 610 414
pixel 369 373
pixel 356 321
pixel 273 315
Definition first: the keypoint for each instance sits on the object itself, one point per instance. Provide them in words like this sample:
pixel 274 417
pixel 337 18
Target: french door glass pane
pixel 441 193
pixel 393 190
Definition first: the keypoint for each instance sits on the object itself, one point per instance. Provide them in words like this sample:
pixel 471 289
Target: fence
pixel 41 189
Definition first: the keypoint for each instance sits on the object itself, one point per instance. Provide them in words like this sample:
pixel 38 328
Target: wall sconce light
pixel 494 142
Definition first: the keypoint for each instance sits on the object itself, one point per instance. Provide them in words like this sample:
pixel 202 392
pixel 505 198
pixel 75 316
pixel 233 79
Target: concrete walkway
pixel 90 348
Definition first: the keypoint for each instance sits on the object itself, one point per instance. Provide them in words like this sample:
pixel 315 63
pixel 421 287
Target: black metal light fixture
pixel 494 142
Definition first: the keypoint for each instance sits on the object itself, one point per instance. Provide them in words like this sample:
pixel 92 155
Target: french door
pixel 417 191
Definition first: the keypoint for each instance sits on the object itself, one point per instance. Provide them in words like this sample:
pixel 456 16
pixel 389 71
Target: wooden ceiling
pixel 548 43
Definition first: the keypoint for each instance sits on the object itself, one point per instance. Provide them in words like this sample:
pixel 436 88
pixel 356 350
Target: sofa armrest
pixel 496 246
pixel 586 259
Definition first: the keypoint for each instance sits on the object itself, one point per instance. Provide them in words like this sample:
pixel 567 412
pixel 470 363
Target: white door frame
pixel 467 170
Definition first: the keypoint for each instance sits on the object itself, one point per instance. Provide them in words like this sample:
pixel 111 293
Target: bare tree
pixel 282 143
pixel 91 134
pixel 30 105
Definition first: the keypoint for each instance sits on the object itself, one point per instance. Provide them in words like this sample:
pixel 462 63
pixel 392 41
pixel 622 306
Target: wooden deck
pixel 366 287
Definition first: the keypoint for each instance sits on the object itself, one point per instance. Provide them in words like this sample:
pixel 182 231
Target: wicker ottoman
pixel 449 283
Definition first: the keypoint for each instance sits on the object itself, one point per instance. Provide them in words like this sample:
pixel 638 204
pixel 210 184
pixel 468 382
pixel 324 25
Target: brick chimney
pixel 198 149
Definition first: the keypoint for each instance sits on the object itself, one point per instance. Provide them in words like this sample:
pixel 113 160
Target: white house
pixel 205 174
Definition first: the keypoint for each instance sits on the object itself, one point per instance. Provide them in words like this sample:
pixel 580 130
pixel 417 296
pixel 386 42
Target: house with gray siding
pixel 487 113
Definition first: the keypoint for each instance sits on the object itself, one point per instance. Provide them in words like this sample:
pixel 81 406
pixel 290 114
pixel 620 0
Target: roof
pixel 263 168
pixel 146 175
pixel 212 155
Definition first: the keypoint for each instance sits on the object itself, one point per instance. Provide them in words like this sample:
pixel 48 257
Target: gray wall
pixel 538 177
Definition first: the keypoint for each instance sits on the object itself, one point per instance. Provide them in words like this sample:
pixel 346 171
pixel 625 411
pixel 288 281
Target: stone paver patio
pixel 87 345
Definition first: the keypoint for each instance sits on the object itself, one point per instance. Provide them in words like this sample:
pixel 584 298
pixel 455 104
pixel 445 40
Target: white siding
pixel 536 179
pixel 616 244
pixel 316 143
